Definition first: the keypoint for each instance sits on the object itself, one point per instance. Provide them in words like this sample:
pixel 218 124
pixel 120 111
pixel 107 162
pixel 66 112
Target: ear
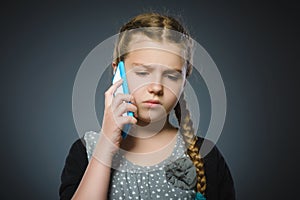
pixel 114 66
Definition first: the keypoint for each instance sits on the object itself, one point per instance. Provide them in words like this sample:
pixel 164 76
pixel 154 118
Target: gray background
pixel 253 44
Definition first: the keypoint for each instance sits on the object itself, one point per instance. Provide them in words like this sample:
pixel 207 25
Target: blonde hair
pixel 165 23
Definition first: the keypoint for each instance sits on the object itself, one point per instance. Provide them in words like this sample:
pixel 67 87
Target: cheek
pixel 136 87
pixel 138 92
pixel 172 93
pixel 135 83
pixel 171 99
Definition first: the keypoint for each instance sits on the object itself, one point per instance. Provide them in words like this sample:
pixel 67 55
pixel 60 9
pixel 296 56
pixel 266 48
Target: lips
pixel 152 102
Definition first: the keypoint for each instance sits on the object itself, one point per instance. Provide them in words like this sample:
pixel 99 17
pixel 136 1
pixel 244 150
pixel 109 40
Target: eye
pixel 141 73
pixel 173 77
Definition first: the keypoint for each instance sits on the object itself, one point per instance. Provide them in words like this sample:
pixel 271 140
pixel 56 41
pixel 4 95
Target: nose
pixel 156 88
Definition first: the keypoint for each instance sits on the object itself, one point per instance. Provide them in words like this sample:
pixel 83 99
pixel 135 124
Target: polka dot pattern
pixel 132 181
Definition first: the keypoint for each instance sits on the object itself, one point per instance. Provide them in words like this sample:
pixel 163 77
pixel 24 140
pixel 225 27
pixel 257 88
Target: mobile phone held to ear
pixel 120 73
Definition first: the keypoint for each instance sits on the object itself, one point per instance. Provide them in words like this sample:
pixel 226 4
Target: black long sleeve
pixel 75 165
pixel 219 180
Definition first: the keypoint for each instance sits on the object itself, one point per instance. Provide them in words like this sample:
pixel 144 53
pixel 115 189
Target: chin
pixel 151 118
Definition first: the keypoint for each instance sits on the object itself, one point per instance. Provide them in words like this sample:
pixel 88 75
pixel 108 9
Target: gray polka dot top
pixel 173 178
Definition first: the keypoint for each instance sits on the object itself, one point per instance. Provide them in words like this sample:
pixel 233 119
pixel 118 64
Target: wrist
pixel 104 151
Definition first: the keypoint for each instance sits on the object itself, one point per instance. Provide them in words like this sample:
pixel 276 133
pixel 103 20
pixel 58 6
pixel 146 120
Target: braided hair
pixel 182 113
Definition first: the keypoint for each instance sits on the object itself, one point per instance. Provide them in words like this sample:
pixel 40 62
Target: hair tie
pixel 199 196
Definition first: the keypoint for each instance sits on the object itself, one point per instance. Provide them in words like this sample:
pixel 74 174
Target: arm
pixel 74 168
pixel 95 180
pixel 79 176
pixel 226 185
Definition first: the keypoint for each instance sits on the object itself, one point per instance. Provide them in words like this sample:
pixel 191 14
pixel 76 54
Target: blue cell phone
pixel 120 73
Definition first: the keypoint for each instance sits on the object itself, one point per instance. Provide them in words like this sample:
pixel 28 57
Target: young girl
pixel 156 160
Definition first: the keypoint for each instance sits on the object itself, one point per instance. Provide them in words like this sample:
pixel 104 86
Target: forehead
pixel 142 49
pixel 154 57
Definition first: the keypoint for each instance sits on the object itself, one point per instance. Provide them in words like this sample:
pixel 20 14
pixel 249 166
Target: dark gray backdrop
pixel 253 44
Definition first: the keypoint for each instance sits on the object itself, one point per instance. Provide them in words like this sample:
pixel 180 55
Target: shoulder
pixel 77 155
pixel 219 180
pixel 209 150
pixel 90 140
pixel 213 158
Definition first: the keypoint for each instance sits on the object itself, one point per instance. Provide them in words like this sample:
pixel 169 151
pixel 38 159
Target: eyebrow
pixel 151 67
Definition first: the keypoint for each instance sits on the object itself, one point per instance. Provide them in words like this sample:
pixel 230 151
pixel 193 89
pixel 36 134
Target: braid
pixel 186 129
pixel 167 23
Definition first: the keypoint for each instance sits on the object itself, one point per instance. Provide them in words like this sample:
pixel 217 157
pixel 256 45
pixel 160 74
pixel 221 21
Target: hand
pixel 113 122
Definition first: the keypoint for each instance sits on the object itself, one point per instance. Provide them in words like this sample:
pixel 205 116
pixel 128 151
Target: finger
pixel 125 107
pixel 127 120
pixel 120 98
pixel 123 120
pixel 133 102
pixel 109 94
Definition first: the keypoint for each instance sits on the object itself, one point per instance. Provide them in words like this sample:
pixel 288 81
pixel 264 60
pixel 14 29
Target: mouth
pixel 152 103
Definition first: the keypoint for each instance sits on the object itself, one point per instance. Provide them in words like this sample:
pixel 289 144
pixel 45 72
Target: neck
pixel 146 137
pixel 143 130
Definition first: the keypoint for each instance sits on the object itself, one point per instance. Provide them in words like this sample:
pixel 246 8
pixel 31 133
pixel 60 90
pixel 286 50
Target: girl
pixel 156 160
